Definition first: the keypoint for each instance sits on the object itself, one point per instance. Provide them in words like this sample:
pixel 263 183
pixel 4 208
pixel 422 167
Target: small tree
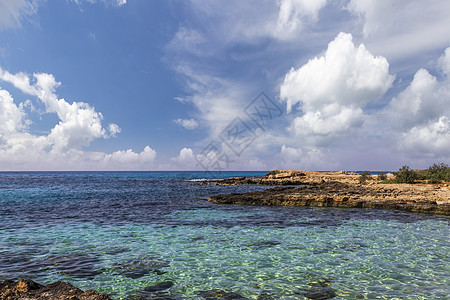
pixel 364 177
pixel 438 173
pixel 382 176
pixel 405 175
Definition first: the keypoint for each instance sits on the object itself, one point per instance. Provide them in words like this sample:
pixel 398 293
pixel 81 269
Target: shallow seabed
pixel 154 234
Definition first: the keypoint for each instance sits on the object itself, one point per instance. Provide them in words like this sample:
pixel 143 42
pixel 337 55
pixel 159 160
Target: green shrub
pixel 438 173
pixel 405 175
pixel 381 176
pixel 364 177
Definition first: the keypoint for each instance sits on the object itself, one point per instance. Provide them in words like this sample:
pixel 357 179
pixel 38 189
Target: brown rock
pixel 337 192
pixel 26 289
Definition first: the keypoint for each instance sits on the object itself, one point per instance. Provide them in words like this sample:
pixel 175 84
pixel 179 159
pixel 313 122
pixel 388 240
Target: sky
pixel 224 85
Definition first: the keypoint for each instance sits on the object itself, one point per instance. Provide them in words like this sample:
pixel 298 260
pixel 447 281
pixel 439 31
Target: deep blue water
pixel 153 234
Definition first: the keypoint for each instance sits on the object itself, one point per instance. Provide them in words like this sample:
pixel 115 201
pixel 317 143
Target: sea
pixel 154 235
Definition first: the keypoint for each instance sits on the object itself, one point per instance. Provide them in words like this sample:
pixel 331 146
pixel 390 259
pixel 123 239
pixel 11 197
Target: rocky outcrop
pixel 30 290
pixel 341 189
pixel 292 177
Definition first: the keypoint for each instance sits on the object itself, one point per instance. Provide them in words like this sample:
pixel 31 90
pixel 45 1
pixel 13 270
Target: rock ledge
pixel 30 290
pixel 339 189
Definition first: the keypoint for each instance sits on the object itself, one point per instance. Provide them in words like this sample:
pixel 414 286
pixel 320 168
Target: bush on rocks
pixel 438 172
pixel 405 175
pixel 364 177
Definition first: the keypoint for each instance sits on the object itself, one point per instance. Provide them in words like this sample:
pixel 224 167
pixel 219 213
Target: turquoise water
pixel 123 233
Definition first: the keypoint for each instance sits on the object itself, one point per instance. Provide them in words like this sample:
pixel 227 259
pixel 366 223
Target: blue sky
pixel 172 85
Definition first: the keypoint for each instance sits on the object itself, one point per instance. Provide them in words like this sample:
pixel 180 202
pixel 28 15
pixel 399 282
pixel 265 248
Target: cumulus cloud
pixel 131 158
pixel 63 148
pixel 420 114
pixel 431 139
pixel 186 156
pixel 418 103
pixel 12 117
pixel 401 28
pixel 236 31
pixel 333 89
pixel 185 160
pixel 193 50
pixel 187 123
pixel 28 156
pixel 79 123
pixel 113 129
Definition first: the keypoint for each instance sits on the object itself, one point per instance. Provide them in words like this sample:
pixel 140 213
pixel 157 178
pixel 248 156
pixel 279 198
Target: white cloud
pixel 113 129
pixel 333 89
pixel 62 149
pixel 419 115
pixel 30 155
pixel 402 27
pixel 130 158
pixel 230 32
pixel 250 21
pixel 13 11
pixel 292 13
pixel 306 158
pixel 79 123
pixel 191 41
pixel 185 160
pixel 186 156
pixel 11 116
pixel 195 49
pixel 418 103
pixel 188 124
pixel 218 100
pixel 444 62
pixel 106 2
pixel 432 139
pixel 342 120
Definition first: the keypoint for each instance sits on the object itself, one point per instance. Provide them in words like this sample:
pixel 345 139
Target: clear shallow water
pixel 121 233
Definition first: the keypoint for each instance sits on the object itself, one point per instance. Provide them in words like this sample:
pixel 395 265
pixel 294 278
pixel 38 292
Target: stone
pixel 217 294
pixel 140 267
pixel 264 244
pixel 320 294
pixel 30 290
pixel 159 287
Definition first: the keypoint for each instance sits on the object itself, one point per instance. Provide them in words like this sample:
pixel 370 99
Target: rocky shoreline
pixel 338 189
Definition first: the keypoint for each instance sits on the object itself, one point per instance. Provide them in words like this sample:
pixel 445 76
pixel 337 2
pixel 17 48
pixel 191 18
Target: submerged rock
pixel 30 290
pixel 159 287
pixel 220 294
pixel 157 291
pixel 264 244
pixel 266 295
pixel 75 265
pixel 320 294
pixel 140 267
